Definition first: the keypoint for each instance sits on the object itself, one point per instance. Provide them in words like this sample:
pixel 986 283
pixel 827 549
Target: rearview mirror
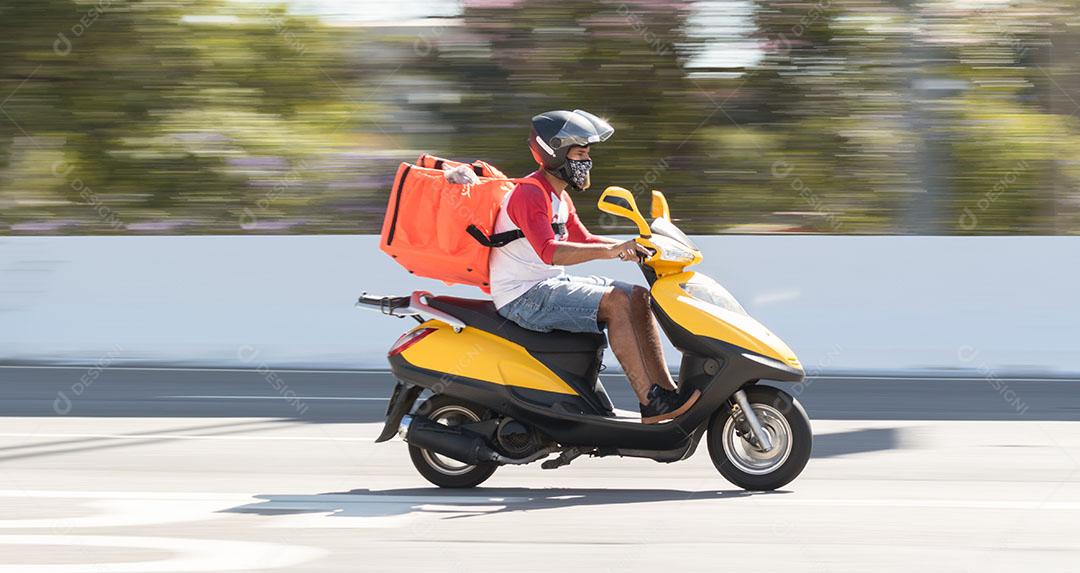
pixel 620 202
pixel 659 206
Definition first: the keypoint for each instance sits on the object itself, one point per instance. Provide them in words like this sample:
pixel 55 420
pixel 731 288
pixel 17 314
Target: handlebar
pixel 642 258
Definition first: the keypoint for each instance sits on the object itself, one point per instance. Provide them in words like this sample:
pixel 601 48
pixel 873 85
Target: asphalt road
pixel 121 470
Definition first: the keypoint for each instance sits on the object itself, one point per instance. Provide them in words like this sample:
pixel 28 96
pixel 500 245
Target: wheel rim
pixel 747 457
pixel 449 416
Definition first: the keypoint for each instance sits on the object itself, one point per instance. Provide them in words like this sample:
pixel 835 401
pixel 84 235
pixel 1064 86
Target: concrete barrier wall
pixel 988 305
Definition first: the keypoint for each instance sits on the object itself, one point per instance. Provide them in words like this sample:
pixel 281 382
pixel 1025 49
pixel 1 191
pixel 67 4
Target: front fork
pixel 760 437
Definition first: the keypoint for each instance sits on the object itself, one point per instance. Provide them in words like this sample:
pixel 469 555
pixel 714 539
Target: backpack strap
pixel 497 240
pixel 504 238
pixel 494 240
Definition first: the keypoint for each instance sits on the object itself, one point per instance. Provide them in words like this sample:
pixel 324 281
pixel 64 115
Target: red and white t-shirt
pixel 519 265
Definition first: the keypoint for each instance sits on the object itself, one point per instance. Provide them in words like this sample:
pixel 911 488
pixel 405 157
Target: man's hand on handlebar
pixel 628 251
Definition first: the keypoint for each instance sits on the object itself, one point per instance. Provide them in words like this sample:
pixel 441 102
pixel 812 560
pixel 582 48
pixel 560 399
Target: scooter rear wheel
pixel 441 470
pixel 744 464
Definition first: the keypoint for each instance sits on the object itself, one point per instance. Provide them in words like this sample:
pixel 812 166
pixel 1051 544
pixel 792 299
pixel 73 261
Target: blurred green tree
pixel 830 116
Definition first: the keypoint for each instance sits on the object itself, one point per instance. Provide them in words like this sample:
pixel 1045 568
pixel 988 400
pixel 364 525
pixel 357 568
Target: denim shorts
pixel 562 303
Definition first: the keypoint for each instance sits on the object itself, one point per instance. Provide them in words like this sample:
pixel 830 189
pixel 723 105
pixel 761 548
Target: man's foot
pixel 666 404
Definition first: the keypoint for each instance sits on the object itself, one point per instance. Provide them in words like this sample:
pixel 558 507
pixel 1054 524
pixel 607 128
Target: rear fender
pixel 401 402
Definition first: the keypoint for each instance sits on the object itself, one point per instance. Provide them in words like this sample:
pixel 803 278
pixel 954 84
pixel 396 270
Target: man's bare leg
pixel 615 310
pixel 648 337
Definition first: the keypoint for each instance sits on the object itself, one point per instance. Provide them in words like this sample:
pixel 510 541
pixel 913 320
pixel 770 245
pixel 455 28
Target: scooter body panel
pixel 478 355
pixel 702 319
pixel 568 380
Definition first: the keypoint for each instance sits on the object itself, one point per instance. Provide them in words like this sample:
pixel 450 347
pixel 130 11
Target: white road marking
pixel 127 512
pixel 1034 504
pixel 189 554
pixel 329 502
pixel 348 511
pixel 186 437
pixel 322 501
pixel 326 502
pixel 314 501
pixel 274 398
pixel 283 369
pixel 80 494
pixel 339 519
pixel 407 504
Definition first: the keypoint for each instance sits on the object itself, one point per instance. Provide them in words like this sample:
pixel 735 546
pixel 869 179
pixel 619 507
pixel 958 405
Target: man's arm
pixel 567 253
pixel 584 246
pixel 601 239
pixel 527 208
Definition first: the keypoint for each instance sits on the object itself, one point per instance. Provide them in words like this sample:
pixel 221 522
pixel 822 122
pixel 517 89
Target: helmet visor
pixel 583 128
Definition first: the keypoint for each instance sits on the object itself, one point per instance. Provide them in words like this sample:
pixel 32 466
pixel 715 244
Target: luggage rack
pixel 414 305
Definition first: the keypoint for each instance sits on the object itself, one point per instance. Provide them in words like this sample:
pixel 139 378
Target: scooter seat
pixel 481 314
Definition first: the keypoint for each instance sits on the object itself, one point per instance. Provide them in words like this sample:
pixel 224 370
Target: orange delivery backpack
pixel 442 230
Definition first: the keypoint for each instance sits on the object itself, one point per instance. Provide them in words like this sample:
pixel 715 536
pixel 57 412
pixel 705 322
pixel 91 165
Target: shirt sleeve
pixel 574 227
pixel 528 209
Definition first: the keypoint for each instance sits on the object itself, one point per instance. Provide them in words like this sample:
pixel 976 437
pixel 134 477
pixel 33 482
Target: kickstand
pixel 564 459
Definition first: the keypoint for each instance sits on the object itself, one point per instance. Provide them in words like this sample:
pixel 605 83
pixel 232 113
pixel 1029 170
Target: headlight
pixel 678 254
pixel 673 251
pixel 707 290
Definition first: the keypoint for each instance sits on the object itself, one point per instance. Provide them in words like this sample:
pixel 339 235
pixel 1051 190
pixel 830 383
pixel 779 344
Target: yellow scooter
pixel 501 394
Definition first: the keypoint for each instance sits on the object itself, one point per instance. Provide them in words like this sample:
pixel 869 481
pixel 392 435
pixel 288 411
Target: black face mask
pixel 576 173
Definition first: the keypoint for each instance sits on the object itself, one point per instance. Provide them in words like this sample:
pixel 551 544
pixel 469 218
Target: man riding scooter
pixel 530 287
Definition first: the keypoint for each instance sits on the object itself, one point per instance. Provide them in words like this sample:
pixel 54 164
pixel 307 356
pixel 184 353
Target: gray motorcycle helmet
pixel 555 132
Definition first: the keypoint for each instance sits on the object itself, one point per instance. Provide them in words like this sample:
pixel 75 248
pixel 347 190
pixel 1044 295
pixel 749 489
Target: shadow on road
pixel 461 504
pixel 855 442
pixel 81 445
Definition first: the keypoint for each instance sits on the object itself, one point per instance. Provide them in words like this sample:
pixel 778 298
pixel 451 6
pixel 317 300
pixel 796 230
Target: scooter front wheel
pixel 743 462
pixel 441 470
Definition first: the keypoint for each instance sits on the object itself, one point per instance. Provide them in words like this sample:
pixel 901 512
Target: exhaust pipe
pixel 465 447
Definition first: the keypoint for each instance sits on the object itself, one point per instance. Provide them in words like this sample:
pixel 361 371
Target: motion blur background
pixel 835 116
pixel 190 388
